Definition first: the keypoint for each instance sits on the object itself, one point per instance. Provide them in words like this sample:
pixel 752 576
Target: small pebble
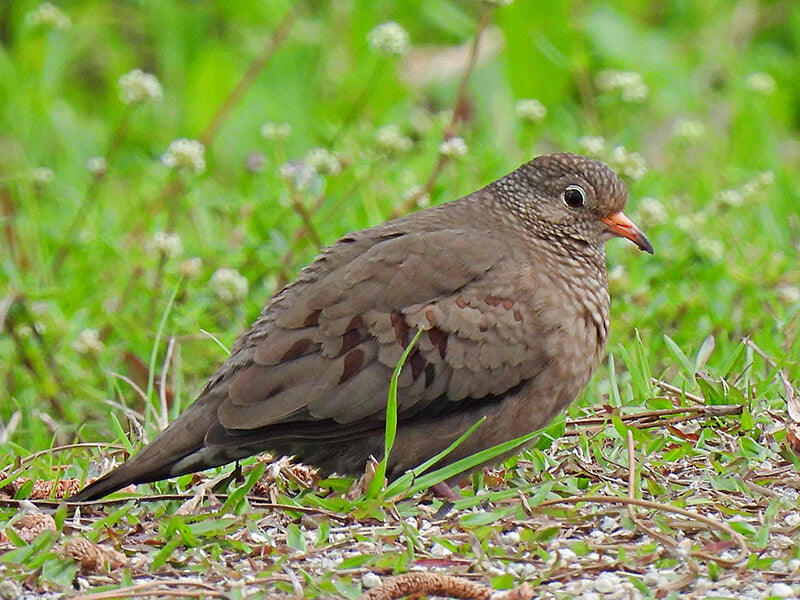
pixel 781 590
pixel 608 524
pixel 370 580
pixel 511 537
pixel 440 551
pixel 10 589
pixel 596 533
pixel 567 553
pixel 606 583
pixel 495 572
pixel 792 519
pixel 530 571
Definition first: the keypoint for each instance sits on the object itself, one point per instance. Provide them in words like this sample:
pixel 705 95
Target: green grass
pixel 722 154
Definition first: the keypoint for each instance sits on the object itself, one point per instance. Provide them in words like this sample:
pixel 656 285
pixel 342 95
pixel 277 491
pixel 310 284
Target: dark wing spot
pixel 430 374
pixel 507 304
pixel 417 363
pixel 517 315
pixel 483 328
pixel 274 391
pixel 493 300
pixel 439 339
pixel 312 320
pixel 460 302
pixel 297 350
pixel 400 328
pixel 353 362
pixel 355 323
pixel 350 340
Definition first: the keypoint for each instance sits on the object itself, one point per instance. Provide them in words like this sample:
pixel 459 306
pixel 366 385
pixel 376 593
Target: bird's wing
pixel 333 339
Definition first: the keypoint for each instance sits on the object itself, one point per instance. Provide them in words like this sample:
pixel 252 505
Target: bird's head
pixel 572 197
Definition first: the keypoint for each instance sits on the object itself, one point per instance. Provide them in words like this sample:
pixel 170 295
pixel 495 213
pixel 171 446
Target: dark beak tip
pixel 646 246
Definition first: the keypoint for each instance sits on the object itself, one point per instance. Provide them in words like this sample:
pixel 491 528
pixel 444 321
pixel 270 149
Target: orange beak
pixel 620 225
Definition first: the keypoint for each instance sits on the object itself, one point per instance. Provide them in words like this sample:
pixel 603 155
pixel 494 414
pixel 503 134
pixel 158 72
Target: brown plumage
pixel 509 284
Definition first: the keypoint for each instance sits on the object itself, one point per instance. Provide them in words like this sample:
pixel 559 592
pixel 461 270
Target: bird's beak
pixel 620 225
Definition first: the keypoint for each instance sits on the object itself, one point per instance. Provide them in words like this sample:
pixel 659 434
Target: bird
pixel 508 288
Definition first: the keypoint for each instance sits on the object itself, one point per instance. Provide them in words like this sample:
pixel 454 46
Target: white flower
pixel 454 147
pixel 421 199
pixel 185 155
pixel 300 175
pixel 47 15
pixel 711 249
pixel 255 162
pixel 630 84
pixel 229 285
pixel 593 145
pixel 652 212
pixel 323 161
pixel 138 86
pixel 732 198
pixel 166 243
pixel 88 342
pixel 737 196
pixel 630 164
pixel 392 140
pixel 530 109
pixel 763 83
pixel 97 166
pixel 688 129
pixel 190 268
pixel 389 38
pixel 276 131
pixel 42 175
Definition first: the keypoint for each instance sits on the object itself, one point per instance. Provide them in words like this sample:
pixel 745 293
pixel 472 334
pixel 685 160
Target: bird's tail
pixel 176 451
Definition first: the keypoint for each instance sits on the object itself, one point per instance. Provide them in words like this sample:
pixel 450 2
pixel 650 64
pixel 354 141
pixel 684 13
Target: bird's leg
pixel 445 492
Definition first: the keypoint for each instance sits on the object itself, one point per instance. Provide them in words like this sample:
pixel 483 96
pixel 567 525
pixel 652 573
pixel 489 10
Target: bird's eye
pixel 574 196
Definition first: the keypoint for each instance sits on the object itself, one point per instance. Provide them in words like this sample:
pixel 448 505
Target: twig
pixel 243 85
pixel 650 419
pixel 254 500
pixel 676 391
pixel 451 128
pixel 715 410
pixel 669 542
pixel 105 446
pixel 744 549
pixel 149 588
pixel 163 418
pixel 305 216
pixel 8 213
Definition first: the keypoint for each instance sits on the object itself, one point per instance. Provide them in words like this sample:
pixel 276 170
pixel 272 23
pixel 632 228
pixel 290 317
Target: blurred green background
pixel 696 103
